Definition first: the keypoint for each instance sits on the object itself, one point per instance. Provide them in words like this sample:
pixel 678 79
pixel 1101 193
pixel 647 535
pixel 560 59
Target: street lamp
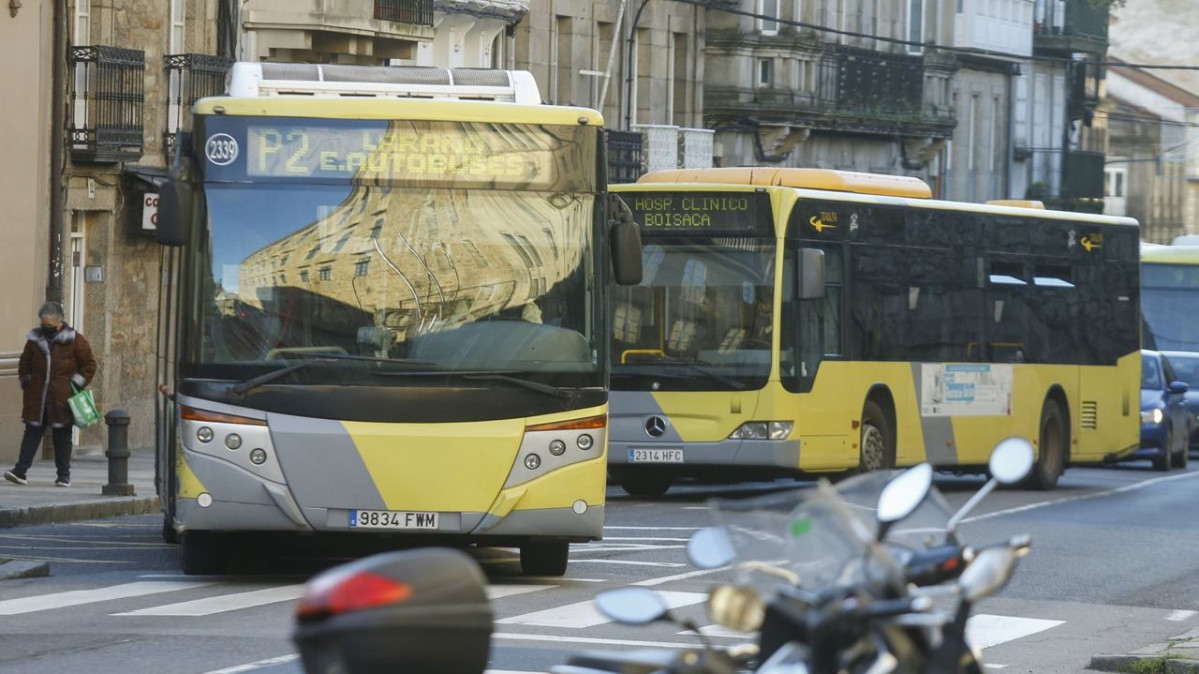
pixel 628 64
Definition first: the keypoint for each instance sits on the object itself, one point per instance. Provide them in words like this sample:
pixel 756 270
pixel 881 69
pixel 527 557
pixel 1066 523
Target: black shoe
pixel 62 482
pixel 14 478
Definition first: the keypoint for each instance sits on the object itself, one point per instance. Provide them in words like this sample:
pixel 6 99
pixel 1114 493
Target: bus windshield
pixel 1168 291
pixel 458 279
pixel 699 320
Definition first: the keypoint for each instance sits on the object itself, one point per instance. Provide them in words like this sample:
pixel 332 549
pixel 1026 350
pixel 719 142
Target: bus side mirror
pixel 811 274
pixel 175 212
pixel 625 239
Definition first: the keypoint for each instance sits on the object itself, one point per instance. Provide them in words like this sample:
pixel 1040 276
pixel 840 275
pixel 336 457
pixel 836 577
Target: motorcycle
pixel 836 580
pixel 832 579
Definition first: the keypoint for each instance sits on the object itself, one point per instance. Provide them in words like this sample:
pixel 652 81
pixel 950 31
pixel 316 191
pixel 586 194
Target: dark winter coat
pixel 47 369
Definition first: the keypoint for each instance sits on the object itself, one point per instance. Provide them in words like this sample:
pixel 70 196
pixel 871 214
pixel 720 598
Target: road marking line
pixel 65 560
pixel 645 538
pixel 591 640
pixel 696 508
pixel 984 631
pixel 622 547
pixel 222 603
pixel 990 666
pixel 1180 615
pixel 627 562
pixel 584 614
pixel 615 528
pixel 501 591
pixel 682 576
pixel 55 600
pixel 238 669
pixel 1081 497
pixel 722 632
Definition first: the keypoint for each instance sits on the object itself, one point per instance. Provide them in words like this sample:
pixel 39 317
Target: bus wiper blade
pixel 555 391
pixel 707 372
pixel 324 358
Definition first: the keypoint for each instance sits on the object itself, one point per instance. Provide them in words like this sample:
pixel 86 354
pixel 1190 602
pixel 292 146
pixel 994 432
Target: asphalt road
pixel 1112 569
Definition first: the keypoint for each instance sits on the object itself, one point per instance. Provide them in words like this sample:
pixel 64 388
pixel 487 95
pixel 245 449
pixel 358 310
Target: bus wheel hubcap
pixel 874 448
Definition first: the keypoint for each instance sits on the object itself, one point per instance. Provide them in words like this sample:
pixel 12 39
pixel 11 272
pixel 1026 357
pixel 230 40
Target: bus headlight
pixel 1153 416
pixel 233 441
pixel 763 430
pixel 204 434
pixel 532 462
pixel 557 447
pixel 258 456
pixel 585 442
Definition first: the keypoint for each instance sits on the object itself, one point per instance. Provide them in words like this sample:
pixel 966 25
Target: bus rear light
pixel 337 595
pixel 598 421
pixel 193 414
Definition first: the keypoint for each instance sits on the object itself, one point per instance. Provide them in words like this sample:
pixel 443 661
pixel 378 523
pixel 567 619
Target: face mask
pixel 48 331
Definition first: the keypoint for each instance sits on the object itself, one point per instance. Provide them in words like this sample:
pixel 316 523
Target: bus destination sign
pixel 701 213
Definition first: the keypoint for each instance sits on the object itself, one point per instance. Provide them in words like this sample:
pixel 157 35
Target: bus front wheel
pixel 876 451
pixel 1051 450
pixel 544 558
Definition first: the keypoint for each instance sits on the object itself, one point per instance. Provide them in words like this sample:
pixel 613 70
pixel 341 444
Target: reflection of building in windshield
pixel 413 260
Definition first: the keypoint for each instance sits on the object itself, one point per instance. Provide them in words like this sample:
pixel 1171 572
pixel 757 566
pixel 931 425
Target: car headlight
pixel 1153 416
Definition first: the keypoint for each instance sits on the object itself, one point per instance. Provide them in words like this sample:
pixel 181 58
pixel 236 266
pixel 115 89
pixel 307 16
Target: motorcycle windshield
pixel 927 526
pixel 806 538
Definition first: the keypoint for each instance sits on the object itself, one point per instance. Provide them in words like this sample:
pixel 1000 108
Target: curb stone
pixel 74 512
pixel 19 568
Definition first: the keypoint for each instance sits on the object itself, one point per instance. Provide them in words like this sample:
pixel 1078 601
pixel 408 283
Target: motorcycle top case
pixel 443 625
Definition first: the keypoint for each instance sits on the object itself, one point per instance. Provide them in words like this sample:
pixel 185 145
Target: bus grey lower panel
pixel 229 516
pixel 549 522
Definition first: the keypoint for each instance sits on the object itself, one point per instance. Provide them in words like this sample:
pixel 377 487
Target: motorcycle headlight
pixel 737 608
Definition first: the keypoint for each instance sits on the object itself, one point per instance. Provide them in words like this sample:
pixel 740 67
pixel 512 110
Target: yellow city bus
pixel 1169 293
pixel 799 321
pixel 387 314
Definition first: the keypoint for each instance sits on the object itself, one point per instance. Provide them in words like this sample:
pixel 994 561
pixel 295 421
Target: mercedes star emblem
pixel 655 427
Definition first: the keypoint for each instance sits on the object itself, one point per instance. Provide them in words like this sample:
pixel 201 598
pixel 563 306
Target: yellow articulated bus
pixel 387 314
pixel 798 321
pixel 1169 296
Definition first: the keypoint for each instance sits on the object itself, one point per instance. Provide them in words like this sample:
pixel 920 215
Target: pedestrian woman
pixel 55 357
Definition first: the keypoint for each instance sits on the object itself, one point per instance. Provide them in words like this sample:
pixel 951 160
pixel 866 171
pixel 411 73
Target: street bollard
pixel 118 454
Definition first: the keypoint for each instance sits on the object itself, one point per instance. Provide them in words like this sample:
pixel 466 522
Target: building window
pixel 312 253
pixel 765 72
pixel 915 25
pixel 1116 178
pixel 326 273
pixel 83 22
pixel 362 267
pixel 342 241
pixel 304 276
pixel 178 17
pixel 377 229
pixel 282 278
pixel 768 15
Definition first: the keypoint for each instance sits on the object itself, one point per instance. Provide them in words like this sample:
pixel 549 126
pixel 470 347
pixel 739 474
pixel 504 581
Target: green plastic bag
pixel 83 407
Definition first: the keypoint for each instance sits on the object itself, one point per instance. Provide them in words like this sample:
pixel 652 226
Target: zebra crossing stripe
pixel 583 614
pixel 46 602
pixel 222 603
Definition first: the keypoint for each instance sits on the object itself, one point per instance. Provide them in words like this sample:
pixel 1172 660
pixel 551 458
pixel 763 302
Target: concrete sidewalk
pixel 1179 655
pixel 40 502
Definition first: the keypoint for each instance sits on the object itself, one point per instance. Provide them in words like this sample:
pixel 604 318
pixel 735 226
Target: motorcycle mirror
pixel 631 605
pixel 737 608
pixel 989 572
pixel 1012 460
pixel 903 495
pixel 710 548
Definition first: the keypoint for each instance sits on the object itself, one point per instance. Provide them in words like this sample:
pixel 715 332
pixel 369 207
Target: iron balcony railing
pixel 190 77
pixel 624 156
pixel 418 12
pixel 106 122
pixel 859 80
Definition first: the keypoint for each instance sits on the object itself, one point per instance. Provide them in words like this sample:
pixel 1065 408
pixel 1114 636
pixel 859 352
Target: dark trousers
pixel 31 441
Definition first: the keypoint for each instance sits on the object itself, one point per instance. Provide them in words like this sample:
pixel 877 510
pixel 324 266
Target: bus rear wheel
pixel 544 558
pixel 876 452
pixel 1051 450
